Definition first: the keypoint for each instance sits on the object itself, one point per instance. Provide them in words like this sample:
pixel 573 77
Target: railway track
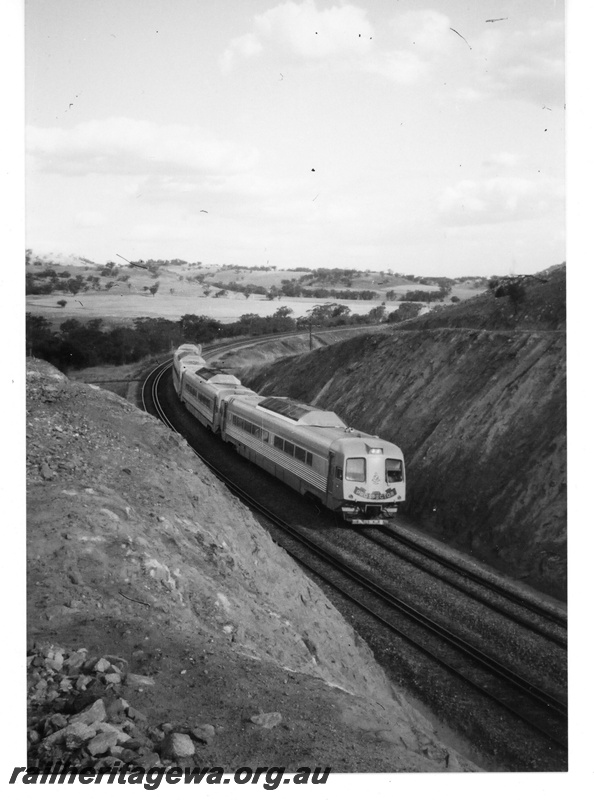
pixel 540 618
pixel 522 698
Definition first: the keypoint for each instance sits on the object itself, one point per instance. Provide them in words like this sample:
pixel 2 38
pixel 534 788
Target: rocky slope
pixel 141 562
pixel 479 413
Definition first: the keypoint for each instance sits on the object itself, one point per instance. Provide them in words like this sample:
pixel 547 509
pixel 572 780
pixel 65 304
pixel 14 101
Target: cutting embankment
pixel 186 610
pixel 476 398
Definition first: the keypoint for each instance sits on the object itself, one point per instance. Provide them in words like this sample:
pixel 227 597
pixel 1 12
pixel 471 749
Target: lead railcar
pixel 354 473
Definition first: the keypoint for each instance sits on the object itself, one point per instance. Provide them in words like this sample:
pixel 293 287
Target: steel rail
pixel 551 704
pixel 538 608
pixel 470 591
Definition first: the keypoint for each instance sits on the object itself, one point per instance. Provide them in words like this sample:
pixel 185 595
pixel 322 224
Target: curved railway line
pixel 537 708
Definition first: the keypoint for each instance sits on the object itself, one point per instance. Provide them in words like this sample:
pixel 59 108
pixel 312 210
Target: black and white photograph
pixel 294 397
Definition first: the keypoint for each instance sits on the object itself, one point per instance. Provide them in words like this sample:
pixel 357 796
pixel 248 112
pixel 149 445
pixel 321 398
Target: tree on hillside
pixel 75 284
pixel 198 328
pixel 517 293
pixel 514 288
pixel 327 314
pixel 405 311
pixel 377 314
pixel 282 312
pixel 154 288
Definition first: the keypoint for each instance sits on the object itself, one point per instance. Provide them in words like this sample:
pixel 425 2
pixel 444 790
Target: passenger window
pixel 393 470
pixel 308 458
pixel 300 453
pixel 278 442
pixel 289 448
pixel 355 469
pixel 339 473
pixel 264 436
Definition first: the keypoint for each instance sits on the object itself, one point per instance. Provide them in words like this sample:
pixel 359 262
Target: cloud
pixel 525 63
pixel 500 199
pixel 399 66
pixel 241 47
pixel 306 32
pixel 120 146
pixel 428 31
pixel 89 219
pixel 502 160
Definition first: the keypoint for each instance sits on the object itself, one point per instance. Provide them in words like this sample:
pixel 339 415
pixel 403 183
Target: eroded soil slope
pixel 136 552
pixel 480 415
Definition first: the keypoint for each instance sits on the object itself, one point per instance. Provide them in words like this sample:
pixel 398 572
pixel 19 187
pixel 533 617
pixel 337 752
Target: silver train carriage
pixel 201 390
pixel 187 356
pixel 353 473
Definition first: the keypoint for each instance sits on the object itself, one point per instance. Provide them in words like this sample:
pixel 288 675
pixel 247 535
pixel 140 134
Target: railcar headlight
pixel 376 450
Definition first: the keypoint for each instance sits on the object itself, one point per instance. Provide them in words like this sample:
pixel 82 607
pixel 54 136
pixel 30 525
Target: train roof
pixel 215 376
pixel 301 413
pixel 361 444
pixel 191 360
pixel 196 349
pixel 311 429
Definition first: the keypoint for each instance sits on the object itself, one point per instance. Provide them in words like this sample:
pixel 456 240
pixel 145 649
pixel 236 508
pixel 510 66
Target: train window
pixel 355 469
pixel 278 442
pixel 265 436
pixel 289 448
pixel 393 470
pixel 339 473
pixel 300 453
pixel 308 458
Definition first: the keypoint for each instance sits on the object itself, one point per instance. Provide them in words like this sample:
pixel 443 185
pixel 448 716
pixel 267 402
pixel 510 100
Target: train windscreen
pixel 393 470
pixel 355 469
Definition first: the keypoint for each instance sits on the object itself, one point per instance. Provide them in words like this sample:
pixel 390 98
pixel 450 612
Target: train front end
pixel 368 481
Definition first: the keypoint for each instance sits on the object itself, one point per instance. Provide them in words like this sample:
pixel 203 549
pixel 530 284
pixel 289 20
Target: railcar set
pixel 355 474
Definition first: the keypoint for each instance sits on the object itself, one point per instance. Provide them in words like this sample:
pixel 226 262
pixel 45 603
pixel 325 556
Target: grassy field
pixel 180 293
pixel 118 307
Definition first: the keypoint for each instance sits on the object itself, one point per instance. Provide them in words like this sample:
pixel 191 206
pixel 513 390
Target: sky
pixel 422 137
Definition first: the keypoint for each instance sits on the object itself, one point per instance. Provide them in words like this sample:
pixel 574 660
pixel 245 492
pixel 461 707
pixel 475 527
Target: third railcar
pixel 186 357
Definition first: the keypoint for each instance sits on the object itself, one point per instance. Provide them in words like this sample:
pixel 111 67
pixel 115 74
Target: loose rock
pixel 177 745
pixel 269 720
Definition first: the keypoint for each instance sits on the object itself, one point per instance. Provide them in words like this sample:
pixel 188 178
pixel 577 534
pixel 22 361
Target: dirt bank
pixel 480 416
pixel 136 551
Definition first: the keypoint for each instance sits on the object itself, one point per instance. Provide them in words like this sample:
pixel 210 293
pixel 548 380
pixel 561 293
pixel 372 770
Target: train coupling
pixel 368 514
